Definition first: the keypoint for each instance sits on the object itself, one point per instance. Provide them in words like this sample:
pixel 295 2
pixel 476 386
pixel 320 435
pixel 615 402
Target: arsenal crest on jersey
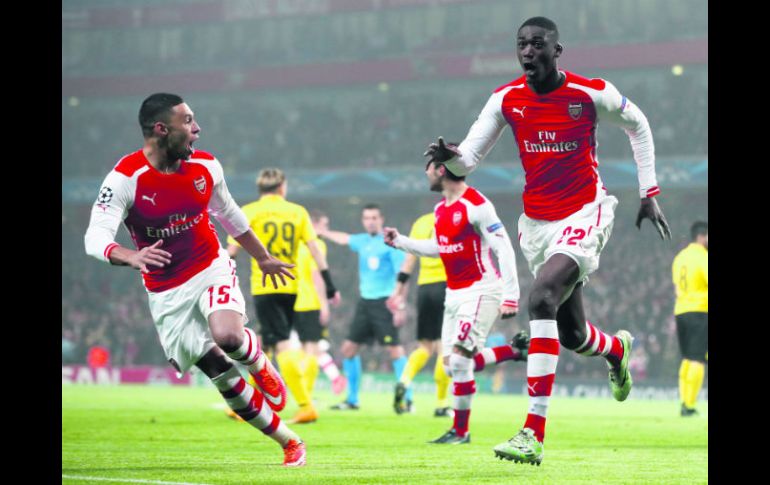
pixel 456 218
pixel 200 184
pixel 575 110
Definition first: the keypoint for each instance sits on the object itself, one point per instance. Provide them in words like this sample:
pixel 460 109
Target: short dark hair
pixel 156 108
pixel 371 206
pixel 543 22
pixel 449 174
pixel 699 228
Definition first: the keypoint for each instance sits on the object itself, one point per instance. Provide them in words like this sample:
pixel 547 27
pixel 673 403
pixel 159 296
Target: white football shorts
pixel 580 236
pixel 469 314
pixel 181 314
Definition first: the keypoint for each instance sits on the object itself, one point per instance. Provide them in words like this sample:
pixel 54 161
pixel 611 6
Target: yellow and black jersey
pixel 690 273
pixel 281 226
pixel 431 269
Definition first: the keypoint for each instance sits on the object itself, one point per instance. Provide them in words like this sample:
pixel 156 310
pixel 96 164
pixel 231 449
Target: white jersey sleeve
pixel 481 137
pixel 619 110
pixel 113 202
pixel 222 205
pixel 484 218
pixel 418 247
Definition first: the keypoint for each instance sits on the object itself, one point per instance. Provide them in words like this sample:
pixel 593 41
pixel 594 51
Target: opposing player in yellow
pixel 431 293
pixel 690 272
pixel 283 225
pixel 311 320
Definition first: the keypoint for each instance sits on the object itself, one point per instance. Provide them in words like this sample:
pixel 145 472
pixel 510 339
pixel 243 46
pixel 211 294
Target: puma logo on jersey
pixel 520 111
pixel 151 199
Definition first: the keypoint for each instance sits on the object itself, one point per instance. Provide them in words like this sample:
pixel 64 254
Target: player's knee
pixel 227 339
pixel 459 363
pixel 572 338
pixel 543 302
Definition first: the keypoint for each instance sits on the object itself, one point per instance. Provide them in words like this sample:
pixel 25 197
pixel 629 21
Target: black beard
pixel 184 154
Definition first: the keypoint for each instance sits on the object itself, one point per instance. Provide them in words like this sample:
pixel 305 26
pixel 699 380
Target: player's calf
pixel 261 369
pixel 516 350
pixel 249 405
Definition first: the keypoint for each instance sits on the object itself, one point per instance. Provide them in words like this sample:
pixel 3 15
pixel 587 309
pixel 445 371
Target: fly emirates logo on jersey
pixel 547 143
pixel 446 248
pixel 177 224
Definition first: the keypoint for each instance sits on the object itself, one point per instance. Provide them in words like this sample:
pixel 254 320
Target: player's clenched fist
pixel 507 311
pixel 390 234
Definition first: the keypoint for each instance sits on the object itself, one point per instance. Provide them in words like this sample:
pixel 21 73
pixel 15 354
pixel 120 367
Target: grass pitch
pixel 162 435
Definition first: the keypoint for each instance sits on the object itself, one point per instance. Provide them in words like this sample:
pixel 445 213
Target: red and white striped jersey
pixel 174 207
pixel 556 135
pixel 467 231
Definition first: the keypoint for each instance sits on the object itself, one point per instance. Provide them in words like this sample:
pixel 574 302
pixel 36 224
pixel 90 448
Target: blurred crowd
pixel 356 34
pixel 107 306
pixel 367 126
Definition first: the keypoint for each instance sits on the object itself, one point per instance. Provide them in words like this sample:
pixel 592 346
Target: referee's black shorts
pixel 430 310
pixel 275 313
pixel 373 321
pixel 692 329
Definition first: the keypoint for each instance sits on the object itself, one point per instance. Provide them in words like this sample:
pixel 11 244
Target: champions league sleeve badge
pixel 105 195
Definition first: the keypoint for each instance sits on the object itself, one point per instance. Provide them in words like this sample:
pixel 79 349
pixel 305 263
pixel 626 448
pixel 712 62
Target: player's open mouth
pixel 529 68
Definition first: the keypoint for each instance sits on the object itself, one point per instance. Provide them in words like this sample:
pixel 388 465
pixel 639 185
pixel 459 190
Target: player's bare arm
pixel 269 265
pixel 147 256
pixel 320 288
pixel 397 299
pixel 323 266
pixel 649 209
pixel 338 237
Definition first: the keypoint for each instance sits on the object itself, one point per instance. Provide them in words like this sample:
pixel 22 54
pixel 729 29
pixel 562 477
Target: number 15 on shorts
pixel 219 294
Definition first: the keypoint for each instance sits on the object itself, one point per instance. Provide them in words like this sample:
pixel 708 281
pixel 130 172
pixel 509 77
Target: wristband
pixel 403 277
pixel 330 289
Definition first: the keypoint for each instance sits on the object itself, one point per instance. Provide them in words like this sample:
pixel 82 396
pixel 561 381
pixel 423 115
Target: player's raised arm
pixel 619 110
pixel 481 137
pixel 338 237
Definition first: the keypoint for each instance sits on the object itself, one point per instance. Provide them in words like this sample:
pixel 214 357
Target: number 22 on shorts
pixel 578 234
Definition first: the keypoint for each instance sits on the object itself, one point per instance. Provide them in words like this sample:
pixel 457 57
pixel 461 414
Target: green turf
pixel 174 434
